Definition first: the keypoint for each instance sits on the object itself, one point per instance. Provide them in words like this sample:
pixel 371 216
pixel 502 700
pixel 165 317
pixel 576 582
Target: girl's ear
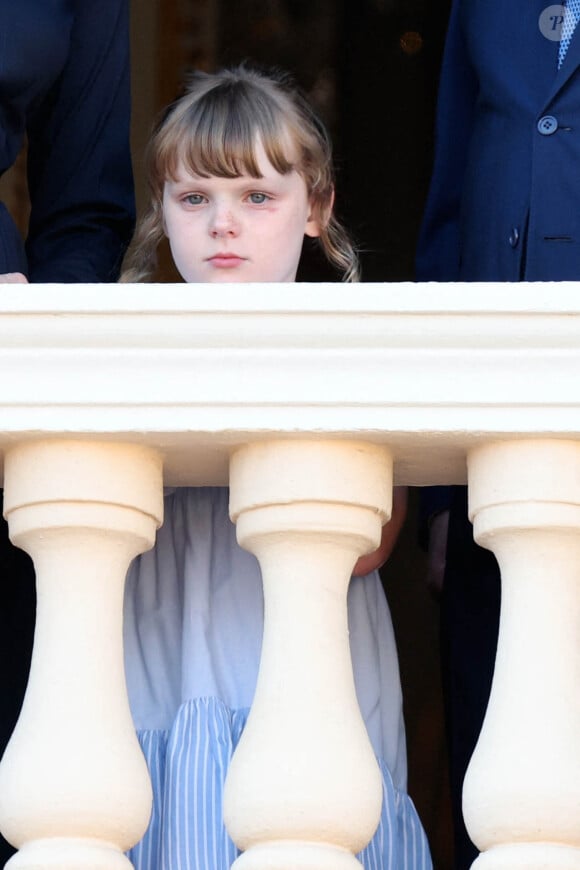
pixel 312 228
pixel 319 216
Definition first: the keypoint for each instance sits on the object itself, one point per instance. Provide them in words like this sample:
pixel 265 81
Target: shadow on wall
pixel 415 615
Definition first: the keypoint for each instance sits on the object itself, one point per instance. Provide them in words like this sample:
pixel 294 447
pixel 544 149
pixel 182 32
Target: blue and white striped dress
pixel 193 630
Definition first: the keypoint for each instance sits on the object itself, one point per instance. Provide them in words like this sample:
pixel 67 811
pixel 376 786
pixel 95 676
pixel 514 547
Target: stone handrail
pixel 108 391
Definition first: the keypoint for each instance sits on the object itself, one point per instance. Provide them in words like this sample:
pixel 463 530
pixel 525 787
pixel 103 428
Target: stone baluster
pixel 522 789
pixel 74 788
pixel 304 789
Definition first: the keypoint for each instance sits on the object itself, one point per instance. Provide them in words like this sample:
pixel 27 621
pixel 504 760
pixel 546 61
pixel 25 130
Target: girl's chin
pixel 227 276
pixel 235 276
pixel 215 277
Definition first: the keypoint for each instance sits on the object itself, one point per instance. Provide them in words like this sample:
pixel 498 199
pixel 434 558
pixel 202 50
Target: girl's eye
pixel 194 199
pixel 258 198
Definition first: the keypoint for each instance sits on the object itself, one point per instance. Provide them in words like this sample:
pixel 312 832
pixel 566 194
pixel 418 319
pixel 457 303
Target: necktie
pixel 568 26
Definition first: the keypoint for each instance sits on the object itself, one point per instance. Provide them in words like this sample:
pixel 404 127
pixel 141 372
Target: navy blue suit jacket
pixel 64 82
pixel 504 205
pixel 504 202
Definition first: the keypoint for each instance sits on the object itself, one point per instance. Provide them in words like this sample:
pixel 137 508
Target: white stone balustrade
pixel 74 787
pixel 314 394
pixel 522 789
pixel 292 521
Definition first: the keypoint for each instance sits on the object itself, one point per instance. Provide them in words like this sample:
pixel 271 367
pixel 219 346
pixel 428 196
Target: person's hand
pixel 389 535
pixel 373 561
pixel 13 278
pixel 436 554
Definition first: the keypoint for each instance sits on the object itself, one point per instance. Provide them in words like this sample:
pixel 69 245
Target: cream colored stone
pixel 74 788
pixel 196 370
pixel 522 789
pixel 304 788
pixel 431 372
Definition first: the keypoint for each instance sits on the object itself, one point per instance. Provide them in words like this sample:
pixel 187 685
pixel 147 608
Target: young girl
pixel 240 171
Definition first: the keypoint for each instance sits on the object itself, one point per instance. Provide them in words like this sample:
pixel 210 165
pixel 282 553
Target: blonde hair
pixel 212 131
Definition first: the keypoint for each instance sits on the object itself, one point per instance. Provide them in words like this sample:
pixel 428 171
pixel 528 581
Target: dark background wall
pixel 371 68
pixel 388 61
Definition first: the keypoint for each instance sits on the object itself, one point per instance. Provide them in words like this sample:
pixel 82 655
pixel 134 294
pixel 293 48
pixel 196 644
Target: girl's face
pixel 237 229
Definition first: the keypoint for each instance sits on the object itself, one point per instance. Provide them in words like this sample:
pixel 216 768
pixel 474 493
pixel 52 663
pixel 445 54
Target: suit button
pixel 514 237
pixel 547 125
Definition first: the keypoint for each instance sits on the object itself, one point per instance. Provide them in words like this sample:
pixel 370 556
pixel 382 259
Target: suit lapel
pixel 569 66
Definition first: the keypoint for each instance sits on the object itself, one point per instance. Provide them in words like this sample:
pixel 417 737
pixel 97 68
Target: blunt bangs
pixel 217 134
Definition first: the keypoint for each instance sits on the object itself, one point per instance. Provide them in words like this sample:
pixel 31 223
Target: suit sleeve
pixel 438 248
pixel 79 162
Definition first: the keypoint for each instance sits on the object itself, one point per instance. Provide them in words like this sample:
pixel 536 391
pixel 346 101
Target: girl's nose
pixel 223 223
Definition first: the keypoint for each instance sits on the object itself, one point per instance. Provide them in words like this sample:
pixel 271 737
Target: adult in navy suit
pixel 64 85
pixel 504 205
